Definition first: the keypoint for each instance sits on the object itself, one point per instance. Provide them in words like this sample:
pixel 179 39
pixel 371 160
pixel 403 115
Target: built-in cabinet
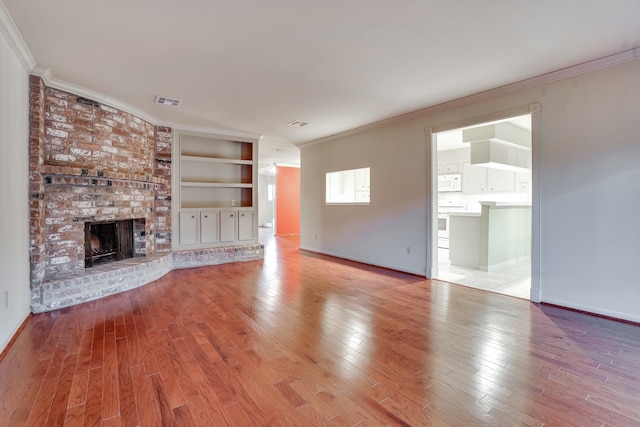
pixel 480 180
pixel 215 190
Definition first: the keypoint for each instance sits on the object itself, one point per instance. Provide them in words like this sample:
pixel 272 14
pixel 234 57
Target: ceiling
pixel 253 66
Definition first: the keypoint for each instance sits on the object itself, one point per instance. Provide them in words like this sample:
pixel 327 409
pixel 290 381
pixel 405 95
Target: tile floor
pixel 514 279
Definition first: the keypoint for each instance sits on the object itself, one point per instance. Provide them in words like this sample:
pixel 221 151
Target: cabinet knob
pixel 241 214
pixel 193 216
pixel 231 215
pixel 206 216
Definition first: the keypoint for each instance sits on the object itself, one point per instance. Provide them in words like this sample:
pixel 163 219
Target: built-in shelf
pixel 215 184
pixel 193 158
pixel 215 191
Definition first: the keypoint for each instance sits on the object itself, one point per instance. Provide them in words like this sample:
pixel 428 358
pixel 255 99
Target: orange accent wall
pixel 287 200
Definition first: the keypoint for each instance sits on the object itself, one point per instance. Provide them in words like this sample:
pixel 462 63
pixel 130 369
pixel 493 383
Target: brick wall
pixel 91 162
pixel 85 134
pixel 162 206
pixel 36 187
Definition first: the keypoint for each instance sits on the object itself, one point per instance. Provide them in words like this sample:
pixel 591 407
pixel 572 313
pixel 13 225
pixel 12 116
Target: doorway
pixel 483 205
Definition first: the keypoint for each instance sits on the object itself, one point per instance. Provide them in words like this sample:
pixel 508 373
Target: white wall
pixel 589 188
pixel 396 217
pixel 14 192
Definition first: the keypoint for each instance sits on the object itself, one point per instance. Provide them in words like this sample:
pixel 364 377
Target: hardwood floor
pixel 305 340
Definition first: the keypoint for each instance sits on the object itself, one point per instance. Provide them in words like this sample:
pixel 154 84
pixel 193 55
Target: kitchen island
pixel 498 235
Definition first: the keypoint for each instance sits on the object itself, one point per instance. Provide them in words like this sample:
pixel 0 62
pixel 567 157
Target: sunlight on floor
pixel 513 280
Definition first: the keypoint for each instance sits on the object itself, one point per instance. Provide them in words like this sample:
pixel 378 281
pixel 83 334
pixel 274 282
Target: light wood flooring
pixel 306 340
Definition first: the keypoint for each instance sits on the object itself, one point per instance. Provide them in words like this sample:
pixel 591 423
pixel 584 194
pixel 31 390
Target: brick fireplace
pixel 91 163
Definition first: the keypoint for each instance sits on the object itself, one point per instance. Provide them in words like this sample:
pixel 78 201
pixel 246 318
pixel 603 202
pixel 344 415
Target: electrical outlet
pixel 408 250
pixel 316 236
pixel 6 299
pixel 233 203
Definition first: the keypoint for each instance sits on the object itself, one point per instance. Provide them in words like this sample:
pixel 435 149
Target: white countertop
pixel 478 214
pixel 494 205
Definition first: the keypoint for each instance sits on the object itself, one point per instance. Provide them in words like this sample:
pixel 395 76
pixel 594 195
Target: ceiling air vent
pixel 298 123
pixel 168 101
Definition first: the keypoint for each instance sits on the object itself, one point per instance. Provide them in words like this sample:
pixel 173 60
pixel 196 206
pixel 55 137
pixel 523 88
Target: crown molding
pixel 14 38
pixel 50 81
pixel 222 133
pixel 541 80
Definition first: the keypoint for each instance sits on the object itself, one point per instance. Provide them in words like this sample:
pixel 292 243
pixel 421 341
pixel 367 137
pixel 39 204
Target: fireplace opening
pixel 107 242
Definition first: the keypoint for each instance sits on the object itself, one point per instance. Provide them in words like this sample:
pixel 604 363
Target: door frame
pixel 432 182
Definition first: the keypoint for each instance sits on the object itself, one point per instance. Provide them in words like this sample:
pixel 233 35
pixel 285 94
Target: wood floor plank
pixel 78 393
pixel 74 416
pixel 93 407
pixel 126 393
pixel 60 402
pixel 147 405
pixel 42 405
pixel 110 400
pixel 302 339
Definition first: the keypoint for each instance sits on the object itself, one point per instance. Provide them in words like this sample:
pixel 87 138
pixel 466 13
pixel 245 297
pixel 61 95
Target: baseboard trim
pixel 365 262
pixel 14 337
pixel 594 311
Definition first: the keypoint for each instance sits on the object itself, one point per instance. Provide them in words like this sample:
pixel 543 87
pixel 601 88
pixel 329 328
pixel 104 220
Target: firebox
pixel 107 241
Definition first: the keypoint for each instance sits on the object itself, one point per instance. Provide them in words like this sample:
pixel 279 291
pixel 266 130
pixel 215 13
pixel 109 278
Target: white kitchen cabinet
pixel 448 168
pixel 188 228
pixel 523 182
pixel 363 186
pixel 474 179
pixel 209 226
pixel 481 180
pixel 451 168
pixel 362 179
pixel 501 181
pixel 213 172
pixel 245 225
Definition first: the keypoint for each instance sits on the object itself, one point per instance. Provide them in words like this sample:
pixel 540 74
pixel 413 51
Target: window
pixel 348 187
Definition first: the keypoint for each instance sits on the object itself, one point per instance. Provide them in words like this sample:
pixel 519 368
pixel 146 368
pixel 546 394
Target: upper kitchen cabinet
pixel 480 180
pixel 212 174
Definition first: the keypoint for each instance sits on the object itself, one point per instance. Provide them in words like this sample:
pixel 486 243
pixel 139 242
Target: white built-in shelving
pixel 215 190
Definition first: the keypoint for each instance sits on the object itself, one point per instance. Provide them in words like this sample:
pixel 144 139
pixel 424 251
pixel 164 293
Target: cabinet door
pixel 245 225
pixel 188 228
pixel 501 181
pixel 451 168
pixel 474 179
pixel 228 225
pixel 522 182
pixel 362 180
pixel 209 226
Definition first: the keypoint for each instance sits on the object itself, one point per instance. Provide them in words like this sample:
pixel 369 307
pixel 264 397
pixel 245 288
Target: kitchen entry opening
pixel 108 241
pixel 483 203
